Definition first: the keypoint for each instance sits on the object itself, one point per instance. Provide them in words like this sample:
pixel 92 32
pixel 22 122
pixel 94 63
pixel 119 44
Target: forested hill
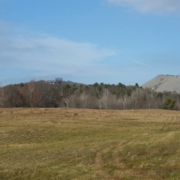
pixel 58 93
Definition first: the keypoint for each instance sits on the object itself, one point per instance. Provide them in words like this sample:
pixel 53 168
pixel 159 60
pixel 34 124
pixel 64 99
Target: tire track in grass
pixel 115 159
pixel 99 164
pixel 122 166
pixel 114 150
pixel 123 169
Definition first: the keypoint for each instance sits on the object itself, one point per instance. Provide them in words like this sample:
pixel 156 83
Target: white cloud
pixel 49 55
pixel 141 63
pixel 157 6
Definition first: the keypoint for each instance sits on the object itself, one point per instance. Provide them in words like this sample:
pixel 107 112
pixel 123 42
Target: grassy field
pixel 72 144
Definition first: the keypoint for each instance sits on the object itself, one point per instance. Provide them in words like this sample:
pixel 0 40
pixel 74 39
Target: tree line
pixel 57 93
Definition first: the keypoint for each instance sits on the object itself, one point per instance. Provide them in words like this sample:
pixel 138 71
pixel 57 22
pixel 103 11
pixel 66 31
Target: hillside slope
pixel 163 83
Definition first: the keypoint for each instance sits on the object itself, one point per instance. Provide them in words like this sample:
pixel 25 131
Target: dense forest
pixel 57 93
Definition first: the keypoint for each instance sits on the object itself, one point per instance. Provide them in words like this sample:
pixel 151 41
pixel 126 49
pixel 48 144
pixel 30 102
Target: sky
pixel 88 41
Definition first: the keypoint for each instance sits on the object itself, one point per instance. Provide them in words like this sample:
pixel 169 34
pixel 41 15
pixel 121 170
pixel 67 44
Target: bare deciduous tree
pixel 59 87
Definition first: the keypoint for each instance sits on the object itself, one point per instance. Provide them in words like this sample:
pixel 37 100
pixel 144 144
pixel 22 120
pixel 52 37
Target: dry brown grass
pixel 79 144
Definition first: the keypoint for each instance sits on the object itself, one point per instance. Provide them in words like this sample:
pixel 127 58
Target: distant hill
pixel 64 83
pixel 164 83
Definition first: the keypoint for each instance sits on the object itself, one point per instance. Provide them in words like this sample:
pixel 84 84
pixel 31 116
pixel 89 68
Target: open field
pixel 72 144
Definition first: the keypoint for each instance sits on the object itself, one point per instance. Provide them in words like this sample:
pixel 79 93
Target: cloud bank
pixel 49 55
pixel 147 6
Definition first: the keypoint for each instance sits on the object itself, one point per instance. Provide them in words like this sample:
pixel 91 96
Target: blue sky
pixel 108 41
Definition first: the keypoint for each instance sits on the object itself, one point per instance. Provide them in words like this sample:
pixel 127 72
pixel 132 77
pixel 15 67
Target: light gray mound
pixel 164 83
